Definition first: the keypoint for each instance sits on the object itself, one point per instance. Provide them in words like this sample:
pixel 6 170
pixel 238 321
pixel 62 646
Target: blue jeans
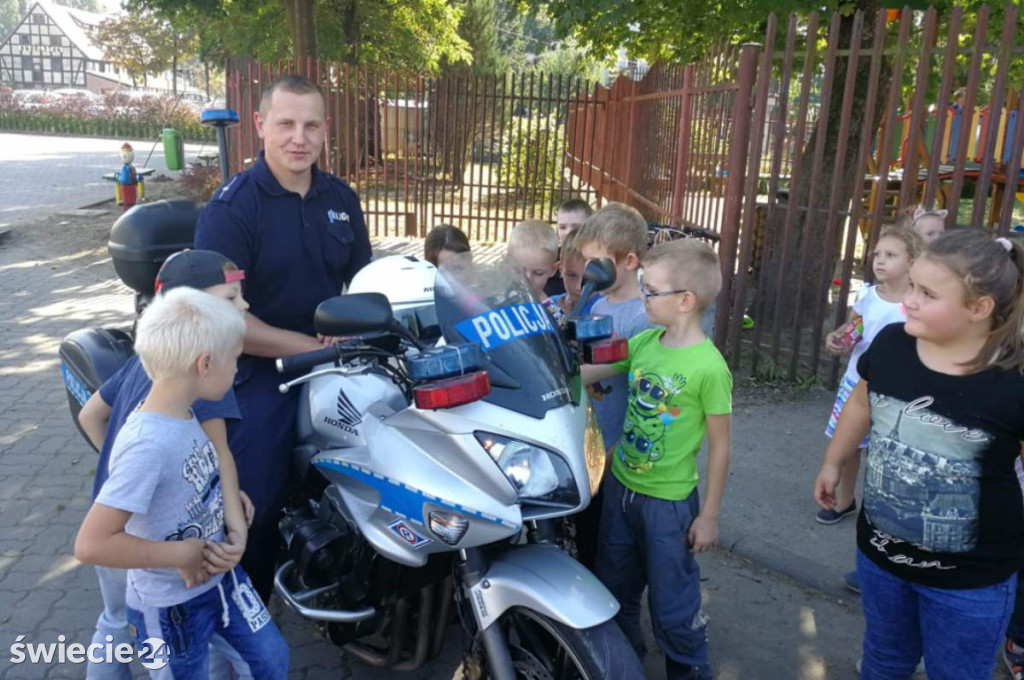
pixel 230 613
pixel 958 631
pixel 1016 629
pixel 113 621
pixel 643 542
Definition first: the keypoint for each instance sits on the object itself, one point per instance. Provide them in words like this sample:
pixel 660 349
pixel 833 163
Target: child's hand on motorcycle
pixel 222 557
pixel 191 565
pixel 248 509
pixel 703 534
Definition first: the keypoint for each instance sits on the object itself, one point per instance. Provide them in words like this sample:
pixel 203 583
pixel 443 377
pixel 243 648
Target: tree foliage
pixel 672 30
pixel 10 15
pixel 144 43
pixel 87 5
pixel 416 35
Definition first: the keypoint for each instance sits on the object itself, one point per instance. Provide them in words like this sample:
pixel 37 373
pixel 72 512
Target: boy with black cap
pixel 106 412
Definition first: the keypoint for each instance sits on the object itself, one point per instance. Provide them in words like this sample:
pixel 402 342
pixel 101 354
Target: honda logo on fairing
pixel 348 415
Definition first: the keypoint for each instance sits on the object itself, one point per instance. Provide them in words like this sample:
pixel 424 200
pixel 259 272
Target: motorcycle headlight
pixel 538 475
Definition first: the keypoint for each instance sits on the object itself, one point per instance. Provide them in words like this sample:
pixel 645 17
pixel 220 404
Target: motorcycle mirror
pixel 353 314
pixel 601 273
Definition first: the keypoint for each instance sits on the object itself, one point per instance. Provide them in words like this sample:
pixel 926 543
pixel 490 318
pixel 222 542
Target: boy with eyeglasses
pixel 652 522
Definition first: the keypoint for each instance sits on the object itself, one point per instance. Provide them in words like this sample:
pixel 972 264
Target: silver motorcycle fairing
pixel 389 490
pixel 338 405
pixel 560 431
pixel 398 464
pixel 544 579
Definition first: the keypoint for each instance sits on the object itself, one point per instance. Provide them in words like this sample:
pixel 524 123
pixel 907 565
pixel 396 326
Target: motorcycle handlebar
pixel 307 360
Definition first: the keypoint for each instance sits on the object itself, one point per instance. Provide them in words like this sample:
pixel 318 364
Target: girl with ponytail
pixel 940 536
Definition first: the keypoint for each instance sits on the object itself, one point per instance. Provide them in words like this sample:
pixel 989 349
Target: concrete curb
pixel 796 567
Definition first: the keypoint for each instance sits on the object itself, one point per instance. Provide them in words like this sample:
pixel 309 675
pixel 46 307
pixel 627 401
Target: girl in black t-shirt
pixel 940 536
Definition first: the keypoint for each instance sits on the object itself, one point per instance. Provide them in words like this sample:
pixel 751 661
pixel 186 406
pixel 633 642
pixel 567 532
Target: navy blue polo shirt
pixel 125 390
pixel 296 251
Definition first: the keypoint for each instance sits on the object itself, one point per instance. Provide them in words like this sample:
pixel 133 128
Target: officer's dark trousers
pixel 262 443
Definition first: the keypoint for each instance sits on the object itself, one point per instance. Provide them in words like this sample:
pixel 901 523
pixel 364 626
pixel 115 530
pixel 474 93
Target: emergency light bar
pixel 590 328
pixel 606 351
pixel 444 362
pixel 452 392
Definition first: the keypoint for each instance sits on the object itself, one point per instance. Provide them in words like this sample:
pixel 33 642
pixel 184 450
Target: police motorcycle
pixel 442 444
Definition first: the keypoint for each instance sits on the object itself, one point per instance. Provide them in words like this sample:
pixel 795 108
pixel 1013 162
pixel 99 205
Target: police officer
pixel 299 235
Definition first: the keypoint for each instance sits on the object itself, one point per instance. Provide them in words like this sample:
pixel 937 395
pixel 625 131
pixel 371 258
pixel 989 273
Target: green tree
pixel 87 5
pixel 145 43
pixel 10 16
pixel 415 35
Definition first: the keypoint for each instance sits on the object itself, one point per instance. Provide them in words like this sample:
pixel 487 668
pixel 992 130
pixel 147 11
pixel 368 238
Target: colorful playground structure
pixel 978 129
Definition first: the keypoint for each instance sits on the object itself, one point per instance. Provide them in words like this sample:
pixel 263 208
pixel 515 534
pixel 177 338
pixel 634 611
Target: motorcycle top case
pixel 148 234
pixel 88 358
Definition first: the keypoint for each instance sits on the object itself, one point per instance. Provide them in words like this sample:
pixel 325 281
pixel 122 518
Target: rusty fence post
pixel 683 149
pixel 738 150
pixel 627 180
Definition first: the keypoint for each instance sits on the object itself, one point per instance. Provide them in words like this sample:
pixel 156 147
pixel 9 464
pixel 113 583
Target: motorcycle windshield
pixel 525 353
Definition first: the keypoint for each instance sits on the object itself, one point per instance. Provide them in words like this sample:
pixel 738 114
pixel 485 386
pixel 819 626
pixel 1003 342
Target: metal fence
pixel 479 152
pixel 796 151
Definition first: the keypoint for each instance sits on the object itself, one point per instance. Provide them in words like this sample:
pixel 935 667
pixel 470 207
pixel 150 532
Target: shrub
pixel 199 182
pixel 531 154
pixel 119 115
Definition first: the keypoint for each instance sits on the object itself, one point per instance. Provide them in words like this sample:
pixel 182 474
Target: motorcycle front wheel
pixel 543 649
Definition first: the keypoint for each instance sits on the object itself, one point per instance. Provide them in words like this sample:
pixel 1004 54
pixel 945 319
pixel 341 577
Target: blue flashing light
pixel 219 117
pixel 591 327
pixel 444 362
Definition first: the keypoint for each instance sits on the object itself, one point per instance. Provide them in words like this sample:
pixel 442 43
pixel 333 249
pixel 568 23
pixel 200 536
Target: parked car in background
pixel 32 99
pixel 89 101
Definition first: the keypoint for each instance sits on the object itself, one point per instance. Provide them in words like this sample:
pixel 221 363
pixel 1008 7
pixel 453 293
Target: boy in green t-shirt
pixel 652 523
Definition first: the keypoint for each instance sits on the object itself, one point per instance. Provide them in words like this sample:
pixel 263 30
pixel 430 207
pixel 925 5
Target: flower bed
pixel 115 115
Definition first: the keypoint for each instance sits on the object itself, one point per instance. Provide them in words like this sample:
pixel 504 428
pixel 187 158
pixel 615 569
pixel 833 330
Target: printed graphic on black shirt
pixel 922 482
pixel 205 509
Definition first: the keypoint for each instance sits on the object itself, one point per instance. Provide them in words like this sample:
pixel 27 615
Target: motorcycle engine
pixel 327 549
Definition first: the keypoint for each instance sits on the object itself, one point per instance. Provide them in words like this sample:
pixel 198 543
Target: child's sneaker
pixel 833 516
pixel 1013 657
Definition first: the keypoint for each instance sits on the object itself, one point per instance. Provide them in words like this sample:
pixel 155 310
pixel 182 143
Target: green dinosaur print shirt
pixel 671 390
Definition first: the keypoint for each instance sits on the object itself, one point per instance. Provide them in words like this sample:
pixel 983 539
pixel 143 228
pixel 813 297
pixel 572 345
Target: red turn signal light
pixel 453 392
pixel 606 351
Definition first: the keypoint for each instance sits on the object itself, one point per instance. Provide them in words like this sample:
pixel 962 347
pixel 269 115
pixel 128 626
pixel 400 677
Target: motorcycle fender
pixel 543 579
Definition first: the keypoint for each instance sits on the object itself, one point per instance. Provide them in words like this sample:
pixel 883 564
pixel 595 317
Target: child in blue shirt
pixel 170 510
pixel 106 412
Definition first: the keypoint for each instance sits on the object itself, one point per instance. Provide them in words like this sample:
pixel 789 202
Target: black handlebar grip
pixel 307 360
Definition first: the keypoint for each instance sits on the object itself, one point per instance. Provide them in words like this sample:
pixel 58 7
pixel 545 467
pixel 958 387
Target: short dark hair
pixel 444 237
pixel 293 83
pixel 576 205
